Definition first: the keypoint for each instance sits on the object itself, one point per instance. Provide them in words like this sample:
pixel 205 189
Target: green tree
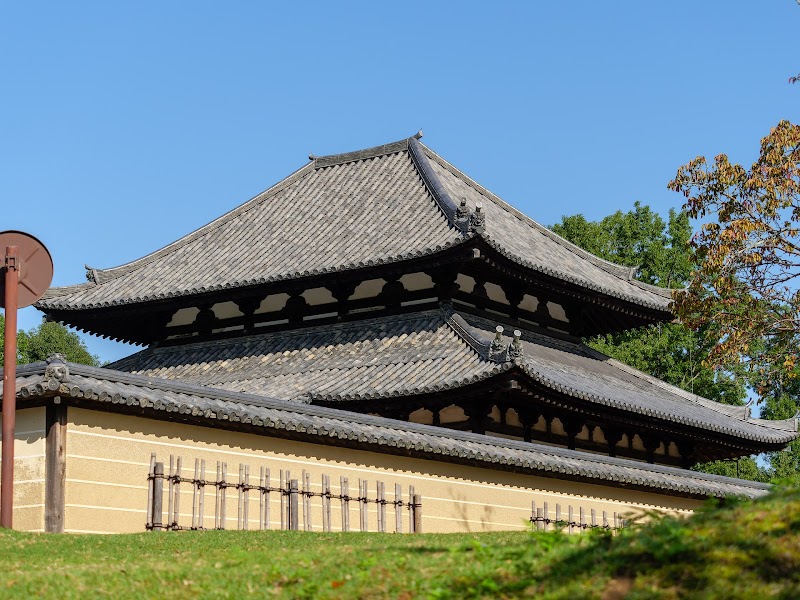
pixel 674 353
pixel 45 339
pixel 661 254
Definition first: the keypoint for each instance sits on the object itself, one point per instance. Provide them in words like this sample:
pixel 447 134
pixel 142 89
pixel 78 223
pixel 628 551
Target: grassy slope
pixel 747 550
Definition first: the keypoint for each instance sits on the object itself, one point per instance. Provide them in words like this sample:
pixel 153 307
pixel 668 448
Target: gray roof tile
pixel 105 389
pixel 342 212
pixel 426 352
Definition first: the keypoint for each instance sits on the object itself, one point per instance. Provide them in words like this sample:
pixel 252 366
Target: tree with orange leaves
pixel 745 291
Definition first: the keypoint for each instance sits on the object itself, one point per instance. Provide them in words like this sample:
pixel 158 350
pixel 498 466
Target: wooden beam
pixel 55 466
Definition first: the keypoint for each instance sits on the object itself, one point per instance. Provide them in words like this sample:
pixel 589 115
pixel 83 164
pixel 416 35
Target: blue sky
pixel 128 125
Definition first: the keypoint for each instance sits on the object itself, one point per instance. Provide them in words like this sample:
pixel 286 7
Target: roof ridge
pixel 330 160
pixel 432 182
pixel 104 275
pixel 620 271
pixel 479 344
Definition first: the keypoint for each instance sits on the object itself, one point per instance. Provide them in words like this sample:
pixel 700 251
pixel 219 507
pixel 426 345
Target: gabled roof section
pixel 430 352
pixel 108 390
pixel 337 213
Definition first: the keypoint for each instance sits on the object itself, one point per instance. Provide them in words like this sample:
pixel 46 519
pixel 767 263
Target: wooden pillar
pixel 444 281
pixel 651 444
pixel 613 437
pixel 248 307
pixel 688 456
pixel 514 293
pixel 572 427
pixel 341 291
pixel 55 467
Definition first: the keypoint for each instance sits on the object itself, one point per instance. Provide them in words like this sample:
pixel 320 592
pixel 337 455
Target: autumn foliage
pixel 745 290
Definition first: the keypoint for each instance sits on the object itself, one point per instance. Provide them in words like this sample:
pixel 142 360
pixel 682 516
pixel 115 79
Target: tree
pixel 660 251
pixel 670 351
pixel 745 291
pixel 46 339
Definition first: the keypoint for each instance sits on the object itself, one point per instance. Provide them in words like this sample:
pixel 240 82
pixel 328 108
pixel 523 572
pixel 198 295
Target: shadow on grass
pixel 737 550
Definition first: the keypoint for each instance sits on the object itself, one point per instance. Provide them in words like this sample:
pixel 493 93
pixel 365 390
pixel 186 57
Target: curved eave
pixel 50 302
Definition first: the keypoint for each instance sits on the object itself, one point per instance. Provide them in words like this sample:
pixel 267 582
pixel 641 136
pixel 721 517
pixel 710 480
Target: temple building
pixel 375 312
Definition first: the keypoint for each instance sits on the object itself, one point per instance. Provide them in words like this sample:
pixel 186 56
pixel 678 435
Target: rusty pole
pixel 9 387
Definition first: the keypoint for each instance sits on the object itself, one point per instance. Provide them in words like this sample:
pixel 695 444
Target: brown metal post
pixel 9 387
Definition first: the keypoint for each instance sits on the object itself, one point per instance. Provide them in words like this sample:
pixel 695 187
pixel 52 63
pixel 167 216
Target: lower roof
pixel 428 352
pixel 110 390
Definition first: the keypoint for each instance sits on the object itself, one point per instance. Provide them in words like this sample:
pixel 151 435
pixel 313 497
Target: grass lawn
pixel 741 550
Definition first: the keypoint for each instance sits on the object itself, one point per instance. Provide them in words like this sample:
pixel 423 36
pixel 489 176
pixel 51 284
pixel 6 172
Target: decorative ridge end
pixel 91 274
pixel 418 135
pixel 746 411
pixel 56 372
pixel 498 350
pixel 515 349
pixel 477 220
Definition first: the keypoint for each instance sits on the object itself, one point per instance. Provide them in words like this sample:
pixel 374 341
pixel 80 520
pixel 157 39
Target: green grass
pixel 740 550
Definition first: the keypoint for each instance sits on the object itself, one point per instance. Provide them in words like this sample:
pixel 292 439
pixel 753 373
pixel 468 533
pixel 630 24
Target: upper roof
pixel 105 389
pixel 344 212
pixel 429 352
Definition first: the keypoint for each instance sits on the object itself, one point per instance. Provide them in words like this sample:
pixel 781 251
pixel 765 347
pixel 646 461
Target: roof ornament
pixel 91 274
pixel 418 135
pixel 747 408
pixel 497 349
pixel 515 349
pixel 462 219
pixel 312 156
pixel 477 220
pixel 56 372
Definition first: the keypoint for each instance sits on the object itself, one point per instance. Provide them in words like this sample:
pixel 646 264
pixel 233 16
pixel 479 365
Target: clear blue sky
pixel 128 125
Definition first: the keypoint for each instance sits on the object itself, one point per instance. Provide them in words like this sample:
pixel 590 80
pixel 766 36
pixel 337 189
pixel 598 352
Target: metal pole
pixel 9 387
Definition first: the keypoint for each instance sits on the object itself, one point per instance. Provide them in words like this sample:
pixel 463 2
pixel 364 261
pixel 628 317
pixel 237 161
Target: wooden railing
pixel 572 522
pixel 294 495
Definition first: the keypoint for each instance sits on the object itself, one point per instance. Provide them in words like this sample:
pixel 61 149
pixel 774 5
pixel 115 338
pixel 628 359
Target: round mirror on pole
pixel 27 270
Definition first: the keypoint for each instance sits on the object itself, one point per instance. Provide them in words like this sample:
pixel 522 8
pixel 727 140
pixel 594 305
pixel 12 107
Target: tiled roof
pixel 581 372
pixel 345 215
pixel 427 352
pixel 523 240
pixel 375 206
pixel 389 356
pixel 109 390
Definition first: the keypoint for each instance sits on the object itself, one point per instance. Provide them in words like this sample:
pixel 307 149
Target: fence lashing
pixel 295 497
pixel 541 519
pixel 345 498
pixel 398 506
